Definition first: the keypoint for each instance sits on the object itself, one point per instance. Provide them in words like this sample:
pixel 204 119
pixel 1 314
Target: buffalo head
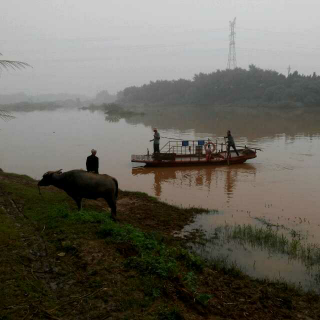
pixel 47 179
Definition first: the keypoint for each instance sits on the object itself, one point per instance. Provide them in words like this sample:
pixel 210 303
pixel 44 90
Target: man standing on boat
pixel 156 140
pixel 93 162
pixel 230 143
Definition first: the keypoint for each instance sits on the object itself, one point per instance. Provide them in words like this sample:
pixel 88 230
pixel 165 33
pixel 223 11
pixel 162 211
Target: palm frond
pixel 10 64
pixel 5 115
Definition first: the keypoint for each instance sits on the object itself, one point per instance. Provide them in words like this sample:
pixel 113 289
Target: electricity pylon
pixel 232 59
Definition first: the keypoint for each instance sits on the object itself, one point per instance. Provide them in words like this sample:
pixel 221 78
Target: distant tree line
pixel 237 86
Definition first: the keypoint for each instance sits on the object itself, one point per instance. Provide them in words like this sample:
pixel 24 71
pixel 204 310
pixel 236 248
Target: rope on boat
pixel 172 138
pixel 184 139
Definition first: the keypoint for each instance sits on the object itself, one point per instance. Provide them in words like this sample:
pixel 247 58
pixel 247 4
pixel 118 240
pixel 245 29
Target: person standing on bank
pixel 156 141
pixel 231 143
pixel 93 162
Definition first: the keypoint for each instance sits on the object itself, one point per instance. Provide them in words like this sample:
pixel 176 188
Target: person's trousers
pixel 156 148
pixel 234 148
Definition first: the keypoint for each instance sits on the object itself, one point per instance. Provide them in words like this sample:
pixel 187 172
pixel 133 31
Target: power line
pixel 302 32
pixel 232 60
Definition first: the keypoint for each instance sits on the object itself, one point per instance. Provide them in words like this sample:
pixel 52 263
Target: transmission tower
pixel 232 59
pixel 289 70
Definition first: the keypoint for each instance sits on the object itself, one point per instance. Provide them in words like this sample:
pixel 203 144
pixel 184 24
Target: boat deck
pixel 146 158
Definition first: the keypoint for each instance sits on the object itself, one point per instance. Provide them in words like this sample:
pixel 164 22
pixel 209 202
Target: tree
pixel 236 86
pixel 10 64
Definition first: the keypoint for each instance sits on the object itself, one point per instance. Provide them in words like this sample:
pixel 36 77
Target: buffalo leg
pixel 113 207
pixel 78 202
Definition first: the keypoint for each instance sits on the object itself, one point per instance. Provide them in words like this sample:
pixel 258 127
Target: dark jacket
pixel 230 140
pixel 92 164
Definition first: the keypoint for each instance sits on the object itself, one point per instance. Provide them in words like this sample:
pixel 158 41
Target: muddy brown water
pixel 280 186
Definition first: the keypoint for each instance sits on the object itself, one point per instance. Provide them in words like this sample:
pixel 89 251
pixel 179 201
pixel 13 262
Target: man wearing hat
pixel 93 162
pixel 156 141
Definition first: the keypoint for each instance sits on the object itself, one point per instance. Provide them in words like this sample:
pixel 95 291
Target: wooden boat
pixel 195 153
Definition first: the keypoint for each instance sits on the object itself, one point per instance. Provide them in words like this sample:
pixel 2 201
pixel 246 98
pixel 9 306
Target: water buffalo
pixel 80 184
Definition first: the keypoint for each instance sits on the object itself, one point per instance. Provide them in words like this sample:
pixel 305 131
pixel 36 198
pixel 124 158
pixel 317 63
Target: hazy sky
pixel 81 46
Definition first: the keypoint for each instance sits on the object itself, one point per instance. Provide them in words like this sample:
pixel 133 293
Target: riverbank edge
pixel 39 233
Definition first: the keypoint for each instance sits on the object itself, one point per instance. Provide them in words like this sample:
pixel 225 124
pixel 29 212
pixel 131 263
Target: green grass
pixel 149 254
pixel 8 232
pixel 169 313
pixel 222 264
pixel 57 213
pixel 18 176
pixel 152 256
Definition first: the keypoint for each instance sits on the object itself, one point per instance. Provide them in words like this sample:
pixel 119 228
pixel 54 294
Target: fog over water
pixel 85 47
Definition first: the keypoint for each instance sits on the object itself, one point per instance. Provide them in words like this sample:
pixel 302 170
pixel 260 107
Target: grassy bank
pixel 57 263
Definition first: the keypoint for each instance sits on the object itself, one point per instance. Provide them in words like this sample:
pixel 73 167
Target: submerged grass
pixel 223 264
pixel 272 240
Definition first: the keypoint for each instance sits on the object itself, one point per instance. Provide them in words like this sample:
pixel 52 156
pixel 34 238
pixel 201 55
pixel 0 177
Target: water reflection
pixel 252 123
pixel 204 177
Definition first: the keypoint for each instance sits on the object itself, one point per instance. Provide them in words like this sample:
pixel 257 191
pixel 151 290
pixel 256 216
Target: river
pixel 279 187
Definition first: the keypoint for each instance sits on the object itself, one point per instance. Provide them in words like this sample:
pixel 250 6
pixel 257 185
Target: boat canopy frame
pixel 187 147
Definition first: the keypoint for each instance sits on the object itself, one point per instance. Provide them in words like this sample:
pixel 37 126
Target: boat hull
pixel 193 160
